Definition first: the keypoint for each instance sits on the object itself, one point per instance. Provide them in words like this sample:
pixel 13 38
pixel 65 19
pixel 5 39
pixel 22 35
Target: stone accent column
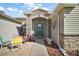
pixel 28 26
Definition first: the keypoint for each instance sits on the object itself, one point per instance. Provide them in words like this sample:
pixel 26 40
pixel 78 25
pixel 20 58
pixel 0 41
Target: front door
pixel 39 29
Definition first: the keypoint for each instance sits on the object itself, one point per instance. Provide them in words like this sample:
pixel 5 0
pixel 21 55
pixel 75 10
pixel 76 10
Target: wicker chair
pixel 1 41
pixel 16 41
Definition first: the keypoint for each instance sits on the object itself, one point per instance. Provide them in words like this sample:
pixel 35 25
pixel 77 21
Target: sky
pixel 17 10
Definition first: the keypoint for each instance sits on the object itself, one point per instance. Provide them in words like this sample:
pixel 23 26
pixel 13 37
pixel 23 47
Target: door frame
pixel 36 29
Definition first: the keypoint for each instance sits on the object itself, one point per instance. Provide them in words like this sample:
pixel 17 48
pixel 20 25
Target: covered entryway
pixel 39 26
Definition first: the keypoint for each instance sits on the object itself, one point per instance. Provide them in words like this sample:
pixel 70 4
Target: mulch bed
pixel 53 50
pixel 73 52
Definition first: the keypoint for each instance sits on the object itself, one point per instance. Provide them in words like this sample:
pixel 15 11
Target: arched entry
pixel 38 23
pixel 39 26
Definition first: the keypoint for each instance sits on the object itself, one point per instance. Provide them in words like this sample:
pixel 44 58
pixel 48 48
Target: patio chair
pixel 16 41
pixel 1 41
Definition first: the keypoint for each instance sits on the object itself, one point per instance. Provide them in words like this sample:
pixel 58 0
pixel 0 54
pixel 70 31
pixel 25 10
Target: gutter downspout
pixel 61 49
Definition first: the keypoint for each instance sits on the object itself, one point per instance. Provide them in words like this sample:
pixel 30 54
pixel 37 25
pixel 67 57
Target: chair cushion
pixel 1 39
pixel 17 40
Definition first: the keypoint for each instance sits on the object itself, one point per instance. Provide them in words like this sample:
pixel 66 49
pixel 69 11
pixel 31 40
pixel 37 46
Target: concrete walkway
pixel 28 49
pixel 39 50
pixel 40 41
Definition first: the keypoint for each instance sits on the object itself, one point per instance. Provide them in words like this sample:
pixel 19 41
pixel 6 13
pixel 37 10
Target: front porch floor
pixel 28 49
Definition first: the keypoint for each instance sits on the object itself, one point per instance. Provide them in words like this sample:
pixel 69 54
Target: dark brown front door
pixel 39 29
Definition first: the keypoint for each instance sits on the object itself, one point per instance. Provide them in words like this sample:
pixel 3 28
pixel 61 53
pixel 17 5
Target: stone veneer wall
pixel 71 42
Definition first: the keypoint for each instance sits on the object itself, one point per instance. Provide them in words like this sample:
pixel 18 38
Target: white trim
pixel 58 34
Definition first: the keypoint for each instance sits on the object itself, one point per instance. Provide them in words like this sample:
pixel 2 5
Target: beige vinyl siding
pixel 71 22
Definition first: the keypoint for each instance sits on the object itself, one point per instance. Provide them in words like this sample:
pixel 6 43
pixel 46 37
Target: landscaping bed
pixel 53 50
pixel 73 52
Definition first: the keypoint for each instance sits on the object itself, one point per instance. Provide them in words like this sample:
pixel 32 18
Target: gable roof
pixel 61 6
pixel 39 9
pixel 8 18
